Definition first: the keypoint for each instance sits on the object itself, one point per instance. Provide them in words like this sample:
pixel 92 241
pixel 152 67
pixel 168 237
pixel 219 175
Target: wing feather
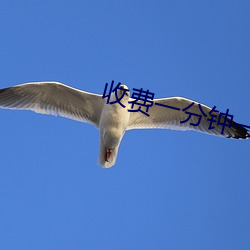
pixel 165 117
pixel 53 98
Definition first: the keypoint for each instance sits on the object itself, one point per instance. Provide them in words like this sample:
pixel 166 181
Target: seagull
pixel 113 120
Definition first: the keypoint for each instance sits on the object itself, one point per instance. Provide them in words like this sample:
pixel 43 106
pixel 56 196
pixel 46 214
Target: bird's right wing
pixel 54 98
pixel 162 115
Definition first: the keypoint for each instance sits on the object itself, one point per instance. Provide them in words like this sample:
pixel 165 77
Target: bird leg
pixel 108 154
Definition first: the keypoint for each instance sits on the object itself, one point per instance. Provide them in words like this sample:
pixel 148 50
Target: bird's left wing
pixel 54 98
pixel 167 113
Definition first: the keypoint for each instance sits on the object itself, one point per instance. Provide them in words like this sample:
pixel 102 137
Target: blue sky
pixel 169 189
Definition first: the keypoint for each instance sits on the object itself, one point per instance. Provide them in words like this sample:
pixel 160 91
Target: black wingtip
pixel 3 90
pixel 239 131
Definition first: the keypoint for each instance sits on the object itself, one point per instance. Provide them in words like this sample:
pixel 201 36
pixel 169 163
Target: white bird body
pixel 113 125
pixel 113 120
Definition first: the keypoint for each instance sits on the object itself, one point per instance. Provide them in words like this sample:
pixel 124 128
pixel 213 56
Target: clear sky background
pixel 169 189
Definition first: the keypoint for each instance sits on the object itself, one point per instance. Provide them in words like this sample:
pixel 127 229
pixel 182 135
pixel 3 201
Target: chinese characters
pixel 194 111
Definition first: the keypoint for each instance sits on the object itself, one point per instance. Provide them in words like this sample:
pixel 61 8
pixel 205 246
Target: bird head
pixel 125 88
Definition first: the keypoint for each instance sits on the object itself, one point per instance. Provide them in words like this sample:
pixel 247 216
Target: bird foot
pixel 108 154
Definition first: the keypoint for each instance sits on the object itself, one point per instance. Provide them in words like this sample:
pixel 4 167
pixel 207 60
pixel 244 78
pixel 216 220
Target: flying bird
pixel 113 120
